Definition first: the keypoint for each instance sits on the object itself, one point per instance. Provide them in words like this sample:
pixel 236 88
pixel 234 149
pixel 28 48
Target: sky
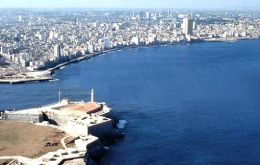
pixel 179 4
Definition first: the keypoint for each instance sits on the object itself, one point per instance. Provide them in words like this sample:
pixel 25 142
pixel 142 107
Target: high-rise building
pixel 107 42
pixel 147 15
pixel 51 35
pixel 194 26
pixel 57 52
pixel 20 18
pixel 187 26
pixel 90 48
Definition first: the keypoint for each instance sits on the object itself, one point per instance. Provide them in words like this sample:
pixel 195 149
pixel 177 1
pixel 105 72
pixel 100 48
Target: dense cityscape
pixel 33 40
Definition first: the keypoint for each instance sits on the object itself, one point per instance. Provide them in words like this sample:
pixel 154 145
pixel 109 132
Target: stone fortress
pixel 85 121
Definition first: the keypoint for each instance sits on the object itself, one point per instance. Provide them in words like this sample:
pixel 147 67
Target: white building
pixel 147 15
pixel 90 48
pixel 187 26
pixel 51 35
pixel 107 42
pixel 20 18
pixel 151 38
pixel 194 25
pixel 135 40
pixel 57 52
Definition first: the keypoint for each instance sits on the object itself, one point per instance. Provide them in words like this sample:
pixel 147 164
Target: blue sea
pixel 187 104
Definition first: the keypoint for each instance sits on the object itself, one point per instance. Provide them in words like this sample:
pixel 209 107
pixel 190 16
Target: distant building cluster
pixel 40 40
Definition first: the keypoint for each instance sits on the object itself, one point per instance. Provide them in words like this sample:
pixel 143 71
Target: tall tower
pixel 187 26
pixel 20 18
pixel 57 52
pixel 92 95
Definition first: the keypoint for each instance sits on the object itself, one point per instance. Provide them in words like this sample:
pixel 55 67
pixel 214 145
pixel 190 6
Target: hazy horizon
pixel 135 4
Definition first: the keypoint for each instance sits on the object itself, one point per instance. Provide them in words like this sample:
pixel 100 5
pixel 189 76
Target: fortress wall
pixel 37 118
pixel 101 129
pixel 76 128
pixel 56 119
pixel 68 125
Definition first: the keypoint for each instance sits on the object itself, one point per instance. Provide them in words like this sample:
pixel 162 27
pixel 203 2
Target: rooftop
pixel 88 107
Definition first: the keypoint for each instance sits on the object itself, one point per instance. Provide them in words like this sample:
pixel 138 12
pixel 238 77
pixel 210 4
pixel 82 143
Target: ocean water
pixel 185 104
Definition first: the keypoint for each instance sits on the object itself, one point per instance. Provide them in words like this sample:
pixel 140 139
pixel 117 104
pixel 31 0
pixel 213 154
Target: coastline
pixel 91 55
pixel 87 57
pixel 27 80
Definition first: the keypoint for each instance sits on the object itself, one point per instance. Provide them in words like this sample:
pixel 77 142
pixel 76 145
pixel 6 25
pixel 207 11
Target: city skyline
pixel 186 4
